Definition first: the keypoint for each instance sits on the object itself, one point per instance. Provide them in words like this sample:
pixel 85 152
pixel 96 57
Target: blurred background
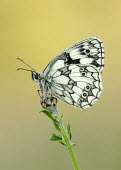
pixel 36 31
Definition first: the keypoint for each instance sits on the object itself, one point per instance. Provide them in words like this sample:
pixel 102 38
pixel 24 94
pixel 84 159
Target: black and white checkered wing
pixel 75 74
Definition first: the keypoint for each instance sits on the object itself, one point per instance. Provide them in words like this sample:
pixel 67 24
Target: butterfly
pixel 74 76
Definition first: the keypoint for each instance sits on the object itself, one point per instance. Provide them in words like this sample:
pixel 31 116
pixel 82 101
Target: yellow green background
pixel 37 31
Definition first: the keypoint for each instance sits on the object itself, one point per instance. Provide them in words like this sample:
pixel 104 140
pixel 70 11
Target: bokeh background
pixel 37 31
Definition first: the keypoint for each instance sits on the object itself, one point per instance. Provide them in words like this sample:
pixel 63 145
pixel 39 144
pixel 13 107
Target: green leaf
pixel 48 114
pixel 73 144
pixel 57 126
pixel 68 127
pixel 70 136
pixel 61 142
pixel 61 117
pixel 56 137
pixel 68 131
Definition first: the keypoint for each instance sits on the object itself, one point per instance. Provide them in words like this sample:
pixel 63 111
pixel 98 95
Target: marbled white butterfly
pixel 74 76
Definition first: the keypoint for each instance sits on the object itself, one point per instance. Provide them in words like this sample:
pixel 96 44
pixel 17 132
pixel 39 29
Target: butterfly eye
pixel 84 94
pixel 88 87
pixel 36 76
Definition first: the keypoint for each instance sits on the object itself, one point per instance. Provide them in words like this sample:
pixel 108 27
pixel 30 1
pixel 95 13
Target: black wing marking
pixel 86 52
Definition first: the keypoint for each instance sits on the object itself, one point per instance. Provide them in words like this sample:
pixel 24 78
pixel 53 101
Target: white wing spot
pixel 90 98
pixel 86 61
pixel 95 92
pixel 82 85
pixel 96 83
pixel 58 73
pixel 75 97
pixel 77 90
pixel 91 69
pixel 57 65
pixel 61 79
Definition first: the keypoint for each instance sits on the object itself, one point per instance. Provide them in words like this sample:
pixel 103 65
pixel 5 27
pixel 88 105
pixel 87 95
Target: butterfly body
pixel 74 76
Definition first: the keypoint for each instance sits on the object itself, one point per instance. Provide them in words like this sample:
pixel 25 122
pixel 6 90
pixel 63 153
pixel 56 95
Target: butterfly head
pixel 35 75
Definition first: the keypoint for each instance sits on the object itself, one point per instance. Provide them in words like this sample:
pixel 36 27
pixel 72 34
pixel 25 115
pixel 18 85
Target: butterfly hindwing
pixel 78 86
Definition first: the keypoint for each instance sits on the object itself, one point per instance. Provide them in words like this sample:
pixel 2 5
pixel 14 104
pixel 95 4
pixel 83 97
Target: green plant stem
pixel 68 144
pixel 70 148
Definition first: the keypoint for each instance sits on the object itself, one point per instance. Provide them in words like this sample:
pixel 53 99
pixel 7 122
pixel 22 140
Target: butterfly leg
pixel 39 93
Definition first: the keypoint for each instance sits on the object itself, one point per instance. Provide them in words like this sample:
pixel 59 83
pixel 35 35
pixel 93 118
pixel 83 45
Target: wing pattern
pixel 75 74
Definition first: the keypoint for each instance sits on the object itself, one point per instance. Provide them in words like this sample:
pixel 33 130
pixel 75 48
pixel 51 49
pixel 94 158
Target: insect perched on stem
pixel 74 76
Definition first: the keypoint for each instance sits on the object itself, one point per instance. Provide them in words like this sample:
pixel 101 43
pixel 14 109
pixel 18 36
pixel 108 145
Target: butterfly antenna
pixel 26 64
pixel 25 69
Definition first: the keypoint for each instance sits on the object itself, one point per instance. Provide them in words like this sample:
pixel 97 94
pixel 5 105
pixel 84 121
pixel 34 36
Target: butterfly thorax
pixel 44 82
pixel 44 85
